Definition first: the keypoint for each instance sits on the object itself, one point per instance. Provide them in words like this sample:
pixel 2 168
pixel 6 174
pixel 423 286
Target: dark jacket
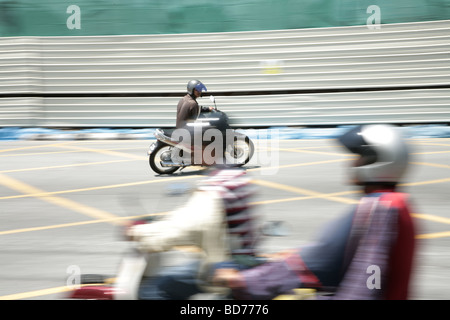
pixel 187 109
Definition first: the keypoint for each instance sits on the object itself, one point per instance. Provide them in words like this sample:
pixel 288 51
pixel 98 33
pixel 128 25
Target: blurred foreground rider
pixel 218 220
pixel 366 254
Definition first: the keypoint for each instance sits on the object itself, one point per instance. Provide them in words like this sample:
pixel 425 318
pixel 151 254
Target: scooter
pixel 137 265
pixel 180 148
pixel 134 265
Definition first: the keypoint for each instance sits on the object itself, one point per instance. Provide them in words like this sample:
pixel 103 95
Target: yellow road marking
pixel 303 191
pixel 59 152
pixel 431 218
pixel 34 147
pixel 307 150
pixel 262 202
pixel 36 293
pixel 296 165
pixel 62 289
pixel 431 144
pixel 330 196
pixel 315 147
pixel 62 202
pixel 317 152
pixel 420 183
pixel 309 193
pixel 313 194
pixel 431 164
pixel 434 235
pixel 119 185
pixel 74 224
pixel 169 179
pixel 45 292
pixel 106 152
pixel 65 166
pixel 429 152
pixel 36 153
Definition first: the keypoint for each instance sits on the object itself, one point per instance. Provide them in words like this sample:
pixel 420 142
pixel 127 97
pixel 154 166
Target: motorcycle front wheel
pixel 242 152
pixel 155 159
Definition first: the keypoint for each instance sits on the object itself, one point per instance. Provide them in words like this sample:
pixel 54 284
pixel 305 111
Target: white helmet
pixel 383 153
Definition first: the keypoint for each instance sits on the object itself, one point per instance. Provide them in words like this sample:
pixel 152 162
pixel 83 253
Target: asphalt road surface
pixel 62 204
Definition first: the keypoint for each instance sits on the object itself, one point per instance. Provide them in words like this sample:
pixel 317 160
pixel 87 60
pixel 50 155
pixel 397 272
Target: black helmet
pixel 195 84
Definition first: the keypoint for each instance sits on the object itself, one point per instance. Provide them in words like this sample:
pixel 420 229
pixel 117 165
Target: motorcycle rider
pixel 188 108
pixel 216 219
pixel 366 254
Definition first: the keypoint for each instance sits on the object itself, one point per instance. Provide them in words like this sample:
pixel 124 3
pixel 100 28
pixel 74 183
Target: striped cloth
pixel 236 191
pixel 374 232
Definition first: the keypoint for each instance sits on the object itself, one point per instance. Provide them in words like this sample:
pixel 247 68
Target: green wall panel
pixel 116 17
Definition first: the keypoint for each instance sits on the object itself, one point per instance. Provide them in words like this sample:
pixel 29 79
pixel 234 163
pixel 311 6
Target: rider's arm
pixel 198 223
pixel 292 270
pixel 263 282
pixel 206 109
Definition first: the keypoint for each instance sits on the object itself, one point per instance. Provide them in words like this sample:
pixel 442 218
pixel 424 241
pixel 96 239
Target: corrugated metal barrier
pixel 399 73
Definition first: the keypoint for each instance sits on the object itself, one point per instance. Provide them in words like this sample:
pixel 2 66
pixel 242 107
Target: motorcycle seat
pixel 168 132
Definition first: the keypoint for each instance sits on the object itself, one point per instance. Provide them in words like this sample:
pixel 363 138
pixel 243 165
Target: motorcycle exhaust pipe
pixel 170 164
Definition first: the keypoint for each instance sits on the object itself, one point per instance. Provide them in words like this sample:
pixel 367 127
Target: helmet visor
pixel 200 87
pixel 354 141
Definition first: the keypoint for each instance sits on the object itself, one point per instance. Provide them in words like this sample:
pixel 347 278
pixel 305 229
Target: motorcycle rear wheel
pixel 155 160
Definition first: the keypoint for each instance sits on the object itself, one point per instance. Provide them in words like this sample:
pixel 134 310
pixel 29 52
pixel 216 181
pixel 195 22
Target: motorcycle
pixel 174 149
pixel 137 265
pixel 134 266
